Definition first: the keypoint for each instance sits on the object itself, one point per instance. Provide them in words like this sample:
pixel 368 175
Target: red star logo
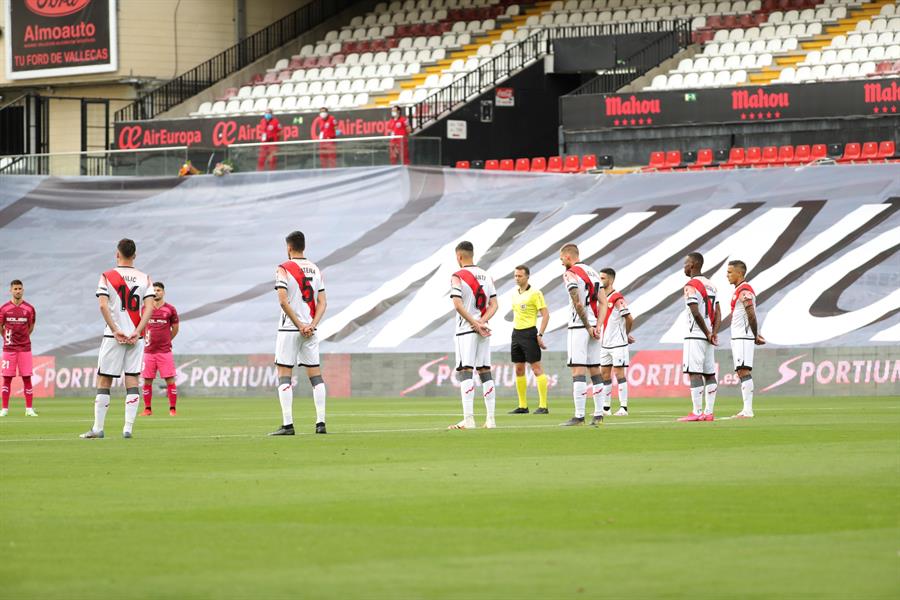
pixel 768 115
pixel 875 110
pixel 616 122
pixel 640 121
pixel 743 116
pixel 777 114
pixel 650 119
pixel 884 109
pixel 752 116
pixel 759 116
pixel 893 109
pixel 634 122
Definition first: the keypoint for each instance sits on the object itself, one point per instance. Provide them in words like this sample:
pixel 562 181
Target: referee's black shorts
pixel 524 347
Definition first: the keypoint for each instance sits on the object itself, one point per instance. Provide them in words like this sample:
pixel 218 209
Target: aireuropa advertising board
pixel 53 38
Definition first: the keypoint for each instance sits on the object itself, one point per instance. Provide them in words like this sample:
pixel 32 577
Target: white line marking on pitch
pixel 351 431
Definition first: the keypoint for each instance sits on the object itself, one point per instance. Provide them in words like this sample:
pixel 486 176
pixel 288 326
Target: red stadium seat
pixel 802 154
pixel 673 159
pixel 555 164
pixel 851 152
pixel 588 162
pixel 819 151
pixel 538 164
pixel 507 164
pixel 869 151
pixel 704 159
pixel 523 164
pixel 736 156
pixel 462 164
pixel 786 155
pixel 572 164
pixel 770 155
pixel 657 160
pixel 886 150
pixel 492 165
pixel 753 156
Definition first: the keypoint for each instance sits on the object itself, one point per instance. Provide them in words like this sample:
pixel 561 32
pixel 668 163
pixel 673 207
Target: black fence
pixel 677 35
pixel 468 85
pixel 245 52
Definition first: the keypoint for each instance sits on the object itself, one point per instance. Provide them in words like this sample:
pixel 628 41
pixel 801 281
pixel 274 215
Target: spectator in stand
pixel 398 129
pixel 324 127
pixel 269 134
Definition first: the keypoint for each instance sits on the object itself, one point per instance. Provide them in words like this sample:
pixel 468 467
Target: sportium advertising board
pixel 746 104
pixel 52 38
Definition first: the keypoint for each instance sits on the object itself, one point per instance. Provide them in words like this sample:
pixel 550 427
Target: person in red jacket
pixel 269 134
pixel 324 127
pixel 398 129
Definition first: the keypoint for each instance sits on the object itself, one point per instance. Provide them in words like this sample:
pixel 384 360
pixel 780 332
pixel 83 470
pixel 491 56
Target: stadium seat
pixel 886 150
pixel 523 164
pixel 657 160
pixel 869 152
pixel 736 157
pixel 843 153
pixel 507 164
pixel 588 162
pixel 753 155
pixel 786 155
pixel 492 165
pixel 477 164
pixel 818 152
pixel 555 164
pixel 572 164
pixel 538 164
pixel 704 159
pixel 769 155
pixel 673 159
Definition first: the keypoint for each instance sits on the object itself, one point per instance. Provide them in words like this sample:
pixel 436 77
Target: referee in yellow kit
pixel 528 341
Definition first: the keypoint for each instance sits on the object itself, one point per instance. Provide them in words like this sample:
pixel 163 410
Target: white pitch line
pixel 352 431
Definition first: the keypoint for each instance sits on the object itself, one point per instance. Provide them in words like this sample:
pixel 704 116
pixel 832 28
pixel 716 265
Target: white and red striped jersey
pixel 740 326
pixel 706 301
pixel 475 287
pixel 614 334
pixel 585 279
pixel 303 281
pixel 127 290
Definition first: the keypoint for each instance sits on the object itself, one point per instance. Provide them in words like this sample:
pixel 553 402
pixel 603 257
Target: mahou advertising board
pixel 746 104
pixel 53 38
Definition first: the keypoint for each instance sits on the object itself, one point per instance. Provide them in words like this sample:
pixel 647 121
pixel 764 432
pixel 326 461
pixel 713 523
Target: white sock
pixel 101 405
pixel 697 399
pixel 711 389
pixel 286 399
pixel 467 392
pixel 319 399
pixel 597 389
pixel 132 401
pixel 490 398
pixel 606 394
pixel 623 394
pixel 747 394
pixel 579 393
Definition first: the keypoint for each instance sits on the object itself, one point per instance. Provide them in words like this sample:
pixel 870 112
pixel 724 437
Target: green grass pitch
pixel 801 502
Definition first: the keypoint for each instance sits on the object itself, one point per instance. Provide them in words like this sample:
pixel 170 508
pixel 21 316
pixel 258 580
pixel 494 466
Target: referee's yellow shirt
pixel 526 307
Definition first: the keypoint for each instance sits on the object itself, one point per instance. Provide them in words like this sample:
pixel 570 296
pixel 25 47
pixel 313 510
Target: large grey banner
pixel 821 244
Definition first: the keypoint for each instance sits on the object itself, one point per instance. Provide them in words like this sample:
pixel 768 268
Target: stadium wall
pixel 821 243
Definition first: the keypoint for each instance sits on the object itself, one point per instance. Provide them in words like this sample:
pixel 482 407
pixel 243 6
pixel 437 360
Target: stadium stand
pixel 400 53
pixel 790 41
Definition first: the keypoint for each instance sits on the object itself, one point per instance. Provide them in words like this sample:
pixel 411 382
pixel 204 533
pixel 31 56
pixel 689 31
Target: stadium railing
pixel 340 152
pixel 517 56
pixel 229 61
pixel 148 161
